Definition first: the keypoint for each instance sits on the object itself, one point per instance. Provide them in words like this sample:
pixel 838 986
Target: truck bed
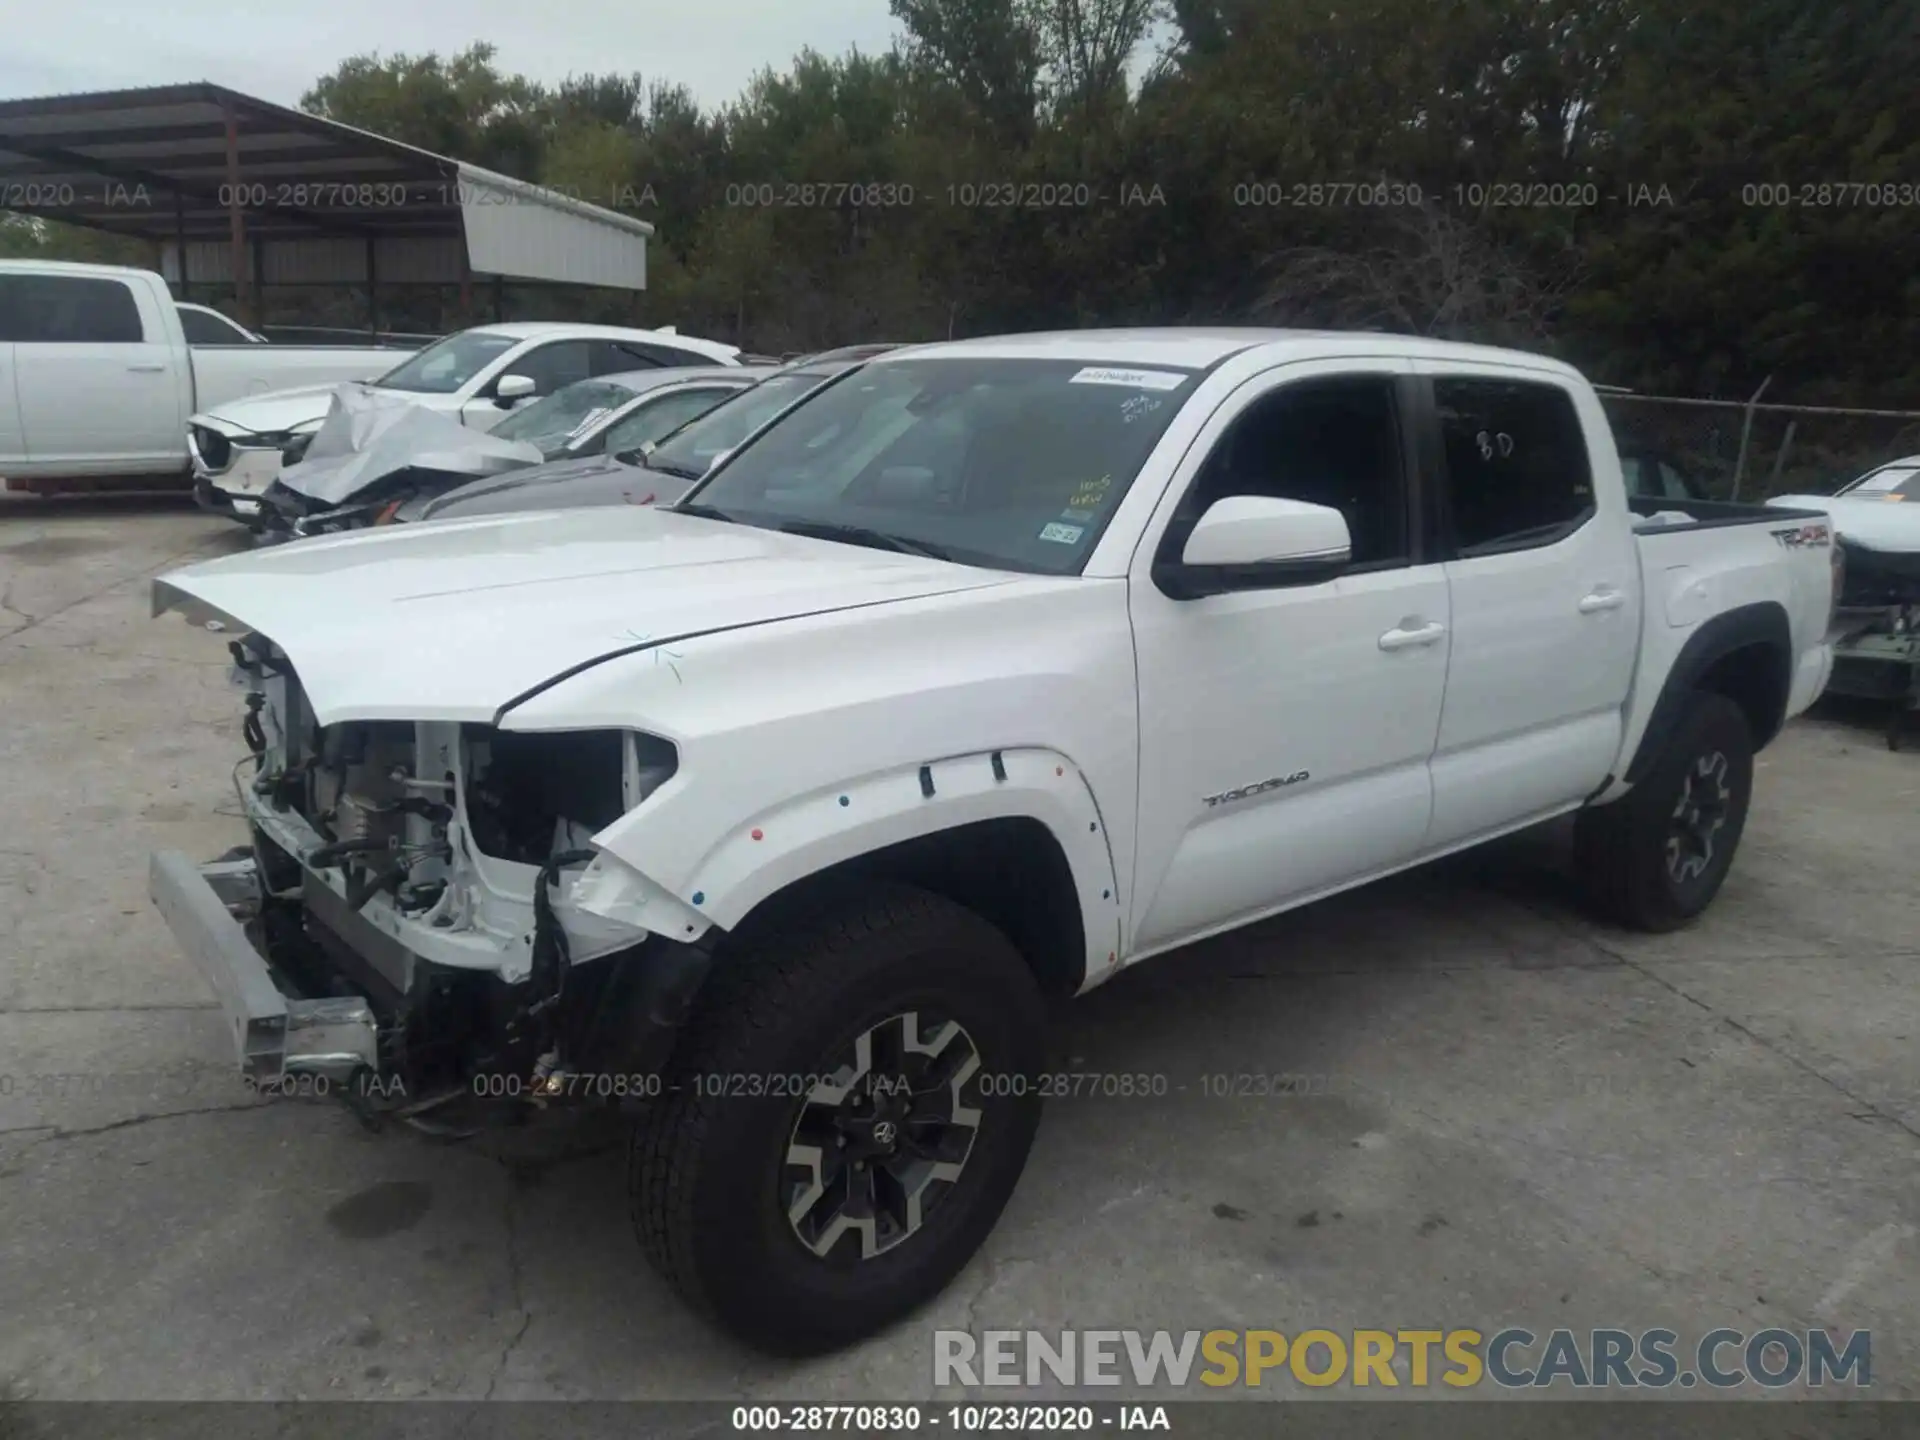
pixel 1708 514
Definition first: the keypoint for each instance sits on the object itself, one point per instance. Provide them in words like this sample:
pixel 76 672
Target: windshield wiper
pixel 704 512
pixel 680 472
pixel 862 535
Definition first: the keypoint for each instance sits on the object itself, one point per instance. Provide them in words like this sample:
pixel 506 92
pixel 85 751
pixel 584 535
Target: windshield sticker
pixel 1132 379
pixel 1062 534
pixel 1090 494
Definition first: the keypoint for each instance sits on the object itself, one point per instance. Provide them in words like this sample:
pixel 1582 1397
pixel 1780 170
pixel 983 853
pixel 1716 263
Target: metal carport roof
pixel 218 177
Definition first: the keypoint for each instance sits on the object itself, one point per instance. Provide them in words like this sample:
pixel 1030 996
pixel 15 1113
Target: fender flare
pixel 802 836
pixel 1763 625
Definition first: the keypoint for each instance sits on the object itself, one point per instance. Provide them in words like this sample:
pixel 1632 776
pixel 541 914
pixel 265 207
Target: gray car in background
pixel 362 480
pixel 625 411
pixel 653 471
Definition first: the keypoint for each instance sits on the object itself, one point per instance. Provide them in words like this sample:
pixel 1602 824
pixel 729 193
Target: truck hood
pixel 274 411
pixel 458 619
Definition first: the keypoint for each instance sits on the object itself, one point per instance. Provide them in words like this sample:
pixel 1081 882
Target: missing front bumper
pixel 273 1036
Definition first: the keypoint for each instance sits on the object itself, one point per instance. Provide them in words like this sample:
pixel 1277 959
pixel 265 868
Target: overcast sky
pixel 277 49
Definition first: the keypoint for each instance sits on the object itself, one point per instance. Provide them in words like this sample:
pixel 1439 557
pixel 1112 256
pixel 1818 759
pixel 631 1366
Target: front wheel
pixel 847 1116
pixel 1655 858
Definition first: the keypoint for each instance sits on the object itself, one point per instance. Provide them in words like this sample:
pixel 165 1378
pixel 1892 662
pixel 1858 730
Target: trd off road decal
pixel 1798 537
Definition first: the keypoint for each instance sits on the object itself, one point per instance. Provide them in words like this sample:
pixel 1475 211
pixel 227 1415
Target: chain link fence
pixel 1753 449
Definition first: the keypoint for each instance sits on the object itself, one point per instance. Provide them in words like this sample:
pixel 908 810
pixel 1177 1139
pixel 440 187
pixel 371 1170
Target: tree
pixel 461 106
pixel 29 237
pixel 1086 46
pixel 1428 272
pixel 988 50
pixel 1681 194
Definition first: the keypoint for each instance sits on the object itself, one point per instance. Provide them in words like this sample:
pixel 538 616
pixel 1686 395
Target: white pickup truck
pixel 98 377
pixel 987 670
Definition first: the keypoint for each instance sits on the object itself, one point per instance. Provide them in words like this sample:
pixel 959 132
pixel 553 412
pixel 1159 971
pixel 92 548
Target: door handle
pixel 146 369
pixel 1600 600
pixel 1402 638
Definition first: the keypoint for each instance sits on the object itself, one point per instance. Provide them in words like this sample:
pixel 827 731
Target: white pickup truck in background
pixel 97 376
pixel 478 377
pixel 981 673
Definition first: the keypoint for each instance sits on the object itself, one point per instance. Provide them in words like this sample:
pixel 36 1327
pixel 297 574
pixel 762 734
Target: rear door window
pixel 616 357
pixel 1517 474
pixel 563 362
pixel 205 329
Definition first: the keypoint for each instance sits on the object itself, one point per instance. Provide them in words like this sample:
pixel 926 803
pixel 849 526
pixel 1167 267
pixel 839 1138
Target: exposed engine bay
pixel 427 868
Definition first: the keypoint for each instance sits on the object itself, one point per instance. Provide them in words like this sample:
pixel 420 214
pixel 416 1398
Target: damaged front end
pixel 421 918
pixel 287 514
pixel 375 452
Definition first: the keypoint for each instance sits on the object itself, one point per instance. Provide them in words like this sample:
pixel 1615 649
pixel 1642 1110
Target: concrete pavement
pixel 1515 1117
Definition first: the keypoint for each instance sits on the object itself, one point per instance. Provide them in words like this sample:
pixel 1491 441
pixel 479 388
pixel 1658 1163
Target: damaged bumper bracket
pixel 273 1036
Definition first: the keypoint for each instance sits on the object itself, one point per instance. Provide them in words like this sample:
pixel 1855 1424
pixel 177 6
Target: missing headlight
pixel 529 795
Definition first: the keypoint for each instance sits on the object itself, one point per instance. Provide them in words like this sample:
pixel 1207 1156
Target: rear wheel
pixel 846 1118
pixel 1656 858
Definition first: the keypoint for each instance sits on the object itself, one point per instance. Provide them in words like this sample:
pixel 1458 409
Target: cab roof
pixel 1199 347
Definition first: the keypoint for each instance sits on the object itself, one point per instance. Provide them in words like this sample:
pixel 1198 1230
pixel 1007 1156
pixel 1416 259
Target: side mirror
pixel 510 388
pixel 1255 542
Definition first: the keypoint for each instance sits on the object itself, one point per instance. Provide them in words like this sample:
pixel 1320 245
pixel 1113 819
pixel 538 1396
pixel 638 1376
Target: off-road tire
pixel 706 1167
pixel 1622 850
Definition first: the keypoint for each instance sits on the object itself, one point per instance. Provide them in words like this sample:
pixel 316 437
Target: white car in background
pixel 479 376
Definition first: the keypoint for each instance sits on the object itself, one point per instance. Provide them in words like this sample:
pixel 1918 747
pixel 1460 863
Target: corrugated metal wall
pixel 513 229
pixel 516 230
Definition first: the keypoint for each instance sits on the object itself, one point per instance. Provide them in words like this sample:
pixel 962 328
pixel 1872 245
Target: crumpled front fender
pixel 786 842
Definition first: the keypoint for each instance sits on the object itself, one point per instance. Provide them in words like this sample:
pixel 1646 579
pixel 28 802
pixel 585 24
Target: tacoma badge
pixel 1278 783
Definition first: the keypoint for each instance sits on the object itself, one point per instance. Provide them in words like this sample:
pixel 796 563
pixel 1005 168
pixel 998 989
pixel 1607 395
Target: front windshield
pixel 444 366
pixel 692 448
pixel 1890 482
pixel 1013 464
pixel 564 416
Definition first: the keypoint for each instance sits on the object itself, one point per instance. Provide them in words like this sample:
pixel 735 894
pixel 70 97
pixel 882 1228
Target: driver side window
pixel 1333 442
